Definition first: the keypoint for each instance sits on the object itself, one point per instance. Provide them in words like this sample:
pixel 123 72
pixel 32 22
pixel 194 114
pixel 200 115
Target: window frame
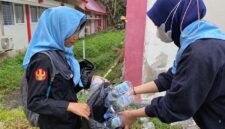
pixel 40 11
pixel 31 14
pixel 10 11
pixel 22 15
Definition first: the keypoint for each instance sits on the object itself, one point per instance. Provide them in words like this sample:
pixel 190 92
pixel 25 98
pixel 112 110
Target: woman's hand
pixel 80 109
pixel 130 116
pixel 128 119
pixel 95 77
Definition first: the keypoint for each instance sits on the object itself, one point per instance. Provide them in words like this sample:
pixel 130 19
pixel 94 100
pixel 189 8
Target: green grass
pixel 10 74
pixel 14 119
pixel 99 50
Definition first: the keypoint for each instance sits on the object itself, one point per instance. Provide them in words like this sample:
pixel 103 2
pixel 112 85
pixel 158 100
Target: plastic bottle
pixel 110 99
pixel 147 124
pixel 110 113
pixel 114 122
pixel 122 88
pixel 124 100
pixel 117 92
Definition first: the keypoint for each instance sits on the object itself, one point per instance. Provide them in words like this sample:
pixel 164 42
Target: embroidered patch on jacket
pixel 40 74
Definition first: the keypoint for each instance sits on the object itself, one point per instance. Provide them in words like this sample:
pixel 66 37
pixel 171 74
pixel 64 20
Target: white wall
pixel 18 32
pixel 92 26
pixel 159 56
pixel 216 12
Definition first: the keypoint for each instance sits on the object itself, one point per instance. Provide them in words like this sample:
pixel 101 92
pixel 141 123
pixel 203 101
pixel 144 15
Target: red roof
pixel 82 1
pixel 94 5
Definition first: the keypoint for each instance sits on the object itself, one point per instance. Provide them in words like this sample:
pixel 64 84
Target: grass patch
pixel 14 119
pixel 10 74
pixel 99 50
pixel 160 125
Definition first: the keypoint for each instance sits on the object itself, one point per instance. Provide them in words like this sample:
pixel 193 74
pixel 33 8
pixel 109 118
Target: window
pixel 8 16
pixel 40 11
pixel 19 12
pixel 33 10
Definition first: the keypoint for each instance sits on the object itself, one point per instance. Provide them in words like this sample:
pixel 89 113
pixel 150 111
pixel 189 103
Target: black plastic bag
pixel 96 102
pixel 86 71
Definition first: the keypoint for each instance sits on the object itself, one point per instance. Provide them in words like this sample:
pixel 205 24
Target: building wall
pixel 215 12
pixel 19 31
pixel 92 26
pixel 158 56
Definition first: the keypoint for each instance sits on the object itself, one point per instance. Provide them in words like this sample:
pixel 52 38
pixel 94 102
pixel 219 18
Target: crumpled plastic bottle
pixel 122 88
pixel 147 124
pixel 124 100
pixel 119 98
pixel 117 92
pixel 114 122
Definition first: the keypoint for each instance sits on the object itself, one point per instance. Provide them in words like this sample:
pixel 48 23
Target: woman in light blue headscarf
pixel 51 50
pixel 195 84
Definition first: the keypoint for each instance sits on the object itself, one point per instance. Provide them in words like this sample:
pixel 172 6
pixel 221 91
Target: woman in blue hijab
pixel 195 84
pixel 53 96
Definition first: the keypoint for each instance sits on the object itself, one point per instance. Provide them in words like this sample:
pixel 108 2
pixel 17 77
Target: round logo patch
pixel 40 74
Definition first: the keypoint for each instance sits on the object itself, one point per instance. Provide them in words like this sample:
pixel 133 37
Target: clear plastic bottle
pixel 124 100
pixel 110 99
pixel 122 88
pixel 117 92
pixel 110 113
pixel 114 122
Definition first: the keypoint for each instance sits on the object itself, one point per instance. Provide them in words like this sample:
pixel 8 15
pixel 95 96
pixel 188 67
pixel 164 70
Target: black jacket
pixel 53 110
pixel 197 89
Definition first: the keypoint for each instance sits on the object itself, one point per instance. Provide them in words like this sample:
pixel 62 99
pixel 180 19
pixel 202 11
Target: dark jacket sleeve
pixel 37 89
pixel 189 88
pixel 164 80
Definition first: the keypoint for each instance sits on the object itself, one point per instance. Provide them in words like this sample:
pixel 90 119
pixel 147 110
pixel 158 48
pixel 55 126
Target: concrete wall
pixel 216 12
pixel 18 32
pixel 158 56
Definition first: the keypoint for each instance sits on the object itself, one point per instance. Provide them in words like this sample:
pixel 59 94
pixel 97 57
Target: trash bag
pixel 86 70
pixel 96 102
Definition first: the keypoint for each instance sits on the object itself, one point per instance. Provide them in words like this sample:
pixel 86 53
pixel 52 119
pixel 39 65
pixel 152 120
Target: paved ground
pixel 187 124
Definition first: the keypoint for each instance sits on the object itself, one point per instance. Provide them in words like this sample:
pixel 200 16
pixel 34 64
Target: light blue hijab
pixel 55 25
pixel 192 33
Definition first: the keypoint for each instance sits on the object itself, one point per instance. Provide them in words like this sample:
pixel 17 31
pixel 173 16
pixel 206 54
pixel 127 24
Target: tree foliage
pixel 116 7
